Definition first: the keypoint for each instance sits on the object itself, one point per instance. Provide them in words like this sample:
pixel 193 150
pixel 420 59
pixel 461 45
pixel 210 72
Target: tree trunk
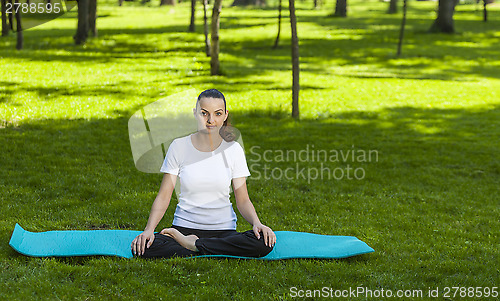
pixel 279 27
pixel 191 23
pixel 485 11
pixel 393 7
pixel 444 20
pixel 19 29
pixel 341 8
pixel 205 28
pixel 82 30
pixel 214 36
pixel 295 61
pixel 402 30
pixel 5 28
pixel 11 17
pixel 93 17
pixel 248 2
pixel 167 2
pixel 120 2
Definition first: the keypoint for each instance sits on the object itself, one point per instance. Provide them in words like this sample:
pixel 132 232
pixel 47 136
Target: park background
pixel 428 206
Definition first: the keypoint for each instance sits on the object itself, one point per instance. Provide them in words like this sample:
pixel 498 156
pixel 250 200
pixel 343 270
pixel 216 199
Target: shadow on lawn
pixel 357 42
pixel 79 174
pixel 83 167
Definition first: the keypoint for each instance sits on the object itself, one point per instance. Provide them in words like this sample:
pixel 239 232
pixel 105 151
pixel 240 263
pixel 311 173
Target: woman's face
pixel 210 114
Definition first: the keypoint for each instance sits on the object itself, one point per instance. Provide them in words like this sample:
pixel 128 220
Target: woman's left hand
pixel 269 236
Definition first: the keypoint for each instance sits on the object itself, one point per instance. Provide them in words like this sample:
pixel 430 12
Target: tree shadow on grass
pixel 118 90
pixel 353 42
pixel 79 174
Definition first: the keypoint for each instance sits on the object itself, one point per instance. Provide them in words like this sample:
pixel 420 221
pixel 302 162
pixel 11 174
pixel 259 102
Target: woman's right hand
pixel 139 243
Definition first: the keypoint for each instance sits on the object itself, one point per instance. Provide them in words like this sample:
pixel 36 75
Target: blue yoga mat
pixel 289 244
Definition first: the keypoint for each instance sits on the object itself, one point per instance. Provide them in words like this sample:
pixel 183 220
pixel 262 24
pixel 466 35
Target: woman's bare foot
pixel 185 241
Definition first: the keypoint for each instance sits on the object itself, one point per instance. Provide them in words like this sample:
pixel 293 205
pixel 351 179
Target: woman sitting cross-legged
pixel 204 220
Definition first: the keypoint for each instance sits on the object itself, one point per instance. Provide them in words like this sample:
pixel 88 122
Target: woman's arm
pixel 158 209
pixel 247 210
pixel 161 202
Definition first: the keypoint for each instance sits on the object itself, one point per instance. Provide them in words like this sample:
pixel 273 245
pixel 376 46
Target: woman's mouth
pixel 211 126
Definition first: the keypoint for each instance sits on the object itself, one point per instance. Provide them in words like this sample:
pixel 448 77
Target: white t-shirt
pixel 205 179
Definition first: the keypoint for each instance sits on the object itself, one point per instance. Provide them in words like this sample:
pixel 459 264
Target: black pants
pixel 210 242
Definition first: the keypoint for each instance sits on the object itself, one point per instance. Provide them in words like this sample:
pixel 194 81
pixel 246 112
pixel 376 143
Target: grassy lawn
pixel 428 205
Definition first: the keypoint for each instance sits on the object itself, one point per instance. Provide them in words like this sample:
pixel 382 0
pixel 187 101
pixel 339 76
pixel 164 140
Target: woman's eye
pixel 219 113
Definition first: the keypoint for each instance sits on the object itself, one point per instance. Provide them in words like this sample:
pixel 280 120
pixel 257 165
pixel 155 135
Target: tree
pixel 93 17
pixel 317 4
pixel 11 17
pixel 193 11
pixel 485 11
pixel 82 30
pixel 87 15
pixel 295 61
pixel 248 2
pixel 5 26
pixel 341 8
pixel 402 30
pixel 167 2
pixel 214 37
pixel 444 20
pixel 19 29
pixel 205 28
pixel 279 27
pixel 393 7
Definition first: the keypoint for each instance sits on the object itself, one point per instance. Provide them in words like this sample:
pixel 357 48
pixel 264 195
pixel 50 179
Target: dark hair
pixel 226 131
pixel 213 93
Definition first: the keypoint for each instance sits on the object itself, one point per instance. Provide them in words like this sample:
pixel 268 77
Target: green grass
pixel 429 206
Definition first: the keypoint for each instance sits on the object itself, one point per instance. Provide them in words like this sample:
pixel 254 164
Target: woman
pixel 204 221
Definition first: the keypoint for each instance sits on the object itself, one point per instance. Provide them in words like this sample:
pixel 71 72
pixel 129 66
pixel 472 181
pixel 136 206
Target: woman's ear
pixel 194 112
pixel 227 115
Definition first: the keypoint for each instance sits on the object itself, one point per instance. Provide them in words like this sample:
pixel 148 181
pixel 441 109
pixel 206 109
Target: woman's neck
pixel 207 141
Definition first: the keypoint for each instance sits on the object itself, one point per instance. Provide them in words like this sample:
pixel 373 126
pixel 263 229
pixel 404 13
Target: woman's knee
pixel 160 243
pixel 260 245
